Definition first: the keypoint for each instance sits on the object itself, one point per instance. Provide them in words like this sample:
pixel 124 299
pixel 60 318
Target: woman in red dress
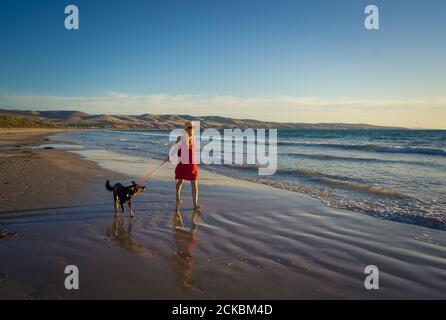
pixel 186 168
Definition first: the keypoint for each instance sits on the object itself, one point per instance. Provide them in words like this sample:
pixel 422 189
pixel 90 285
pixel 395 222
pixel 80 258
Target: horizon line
pixel 2 108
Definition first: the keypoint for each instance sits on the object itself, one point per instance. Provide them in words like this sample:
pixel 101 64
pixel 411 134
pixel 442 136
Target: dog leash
pixel 147 176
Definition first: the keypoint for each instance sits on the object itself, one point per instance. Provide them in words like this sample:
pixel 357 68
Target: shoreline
pixel 336 179
pixel 34 178
pixel 250 241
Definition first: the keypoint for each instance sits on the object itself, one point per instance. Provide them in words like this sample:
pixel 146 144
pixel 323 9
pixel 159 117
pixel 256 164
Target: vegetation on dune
pixel 14 122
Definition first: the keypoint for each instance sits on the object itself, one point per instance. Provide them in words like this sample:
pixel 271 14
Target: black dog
pixel 123 194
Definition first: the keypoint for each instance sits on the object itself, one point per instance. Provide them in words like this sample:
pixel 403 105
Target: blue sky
pixel 303 61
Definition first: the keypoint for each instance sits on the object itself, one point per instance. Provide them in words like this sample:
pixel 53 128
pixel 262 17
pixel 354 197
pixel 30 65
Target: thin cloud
pixel 280 108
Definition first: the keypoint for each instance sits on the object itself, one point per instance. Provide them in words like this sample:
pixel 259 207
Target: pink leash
pixel 147 176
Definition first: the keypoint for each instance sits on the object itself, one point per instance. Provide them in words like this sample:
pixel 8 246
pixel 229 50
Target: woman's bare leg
pixel 178 195
pixel 194 185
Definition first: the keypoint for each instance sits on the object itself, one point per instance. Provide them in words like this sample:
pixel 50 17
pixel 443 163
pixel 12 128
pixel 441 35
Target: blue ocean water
pixel 397 175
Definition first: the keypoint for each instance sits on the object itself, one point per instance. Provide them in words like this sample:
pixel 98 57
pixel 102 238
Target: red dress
pixel 187 171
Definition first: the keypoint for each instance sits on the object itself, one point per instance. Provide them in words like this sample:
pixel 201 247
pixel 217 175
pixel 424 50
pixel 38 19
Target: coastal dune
pixel 250 241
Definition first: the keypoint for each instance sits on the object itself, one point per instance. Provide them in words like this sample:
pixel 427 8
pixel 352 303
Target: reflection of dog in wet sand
pixel 121 236
pixel 123 194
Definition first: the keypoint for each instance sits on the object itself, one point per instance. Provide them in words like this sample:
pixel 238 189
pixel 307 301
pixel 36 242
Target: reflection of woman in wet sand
pixel 182 258
pixel 122 237
pixel 186 168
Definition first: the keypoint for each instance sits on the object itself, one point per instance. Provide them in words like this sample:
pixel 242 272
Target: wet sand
pixel 250 241
pixel 33 178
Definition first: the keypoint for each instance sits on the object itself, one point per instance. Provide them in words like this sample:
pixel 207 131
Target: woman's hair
pixel 187 124
pixel 178 139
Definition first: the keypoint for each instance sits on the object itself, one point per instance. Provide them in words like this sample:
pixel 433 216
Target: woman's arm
pixel 174 149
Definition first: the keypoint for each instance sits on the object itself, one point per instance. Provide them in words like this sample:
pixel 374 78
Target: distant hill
pixel 18 122
pixel 76 119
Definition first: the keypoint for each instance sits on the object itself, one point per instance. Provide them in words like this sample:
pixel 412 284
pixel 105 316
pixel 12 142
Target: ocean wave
pixel 328 157
pixel 235 139
pixel 328 179
pixel 344 182
pixel 250 167
pixel 396 207
pixel 303 172
pixel 371 148
pixel 142 133
pixel 360 187
pixel 316 175
pixel 320 156
pixel 155 134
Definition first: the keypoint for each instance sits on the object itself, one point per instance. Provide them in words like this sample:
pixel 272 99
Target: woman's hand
pixel 169 158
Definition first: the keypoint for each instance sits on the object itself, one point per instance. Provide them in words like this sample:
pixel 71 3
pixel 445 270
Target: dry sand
pixel 250 241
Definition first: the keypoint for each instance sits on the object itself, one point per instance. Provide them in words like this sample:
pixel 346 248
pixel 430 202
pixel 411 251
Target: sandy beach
pixel 33 177
pixel 250 241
